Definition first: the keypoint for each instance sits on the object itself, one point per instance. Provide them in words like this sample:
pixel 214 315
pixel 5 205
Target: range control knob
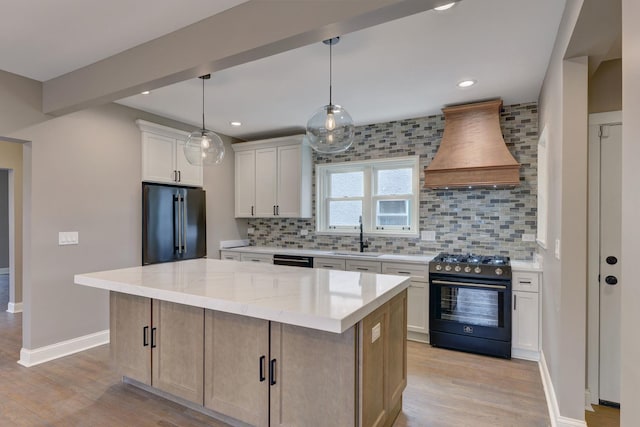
pixel 467 269
pixel 438 267
pixel 477 270
pixel 498 271
pixel 447 268
pixel 457 268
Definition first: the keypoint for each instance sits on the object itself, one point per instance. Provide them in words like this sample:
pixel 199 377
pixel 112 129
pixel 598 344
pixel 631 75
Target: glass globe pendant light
pixel 330 129
pixel 204 147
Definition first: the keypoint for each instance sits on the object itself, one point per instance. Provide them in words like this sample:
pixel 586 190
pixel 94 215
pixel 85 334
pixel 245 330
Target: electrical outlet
pixel 304 232
pixel 68 238
pixel 375 332
pixel 429 236
pixel 250 230
pixel 557 251
pixel 528 237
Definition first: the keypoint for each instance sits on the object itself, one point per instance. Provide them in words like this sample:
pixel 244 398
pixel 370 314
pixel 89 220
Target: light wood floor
pixel 603 416
pixel 445 388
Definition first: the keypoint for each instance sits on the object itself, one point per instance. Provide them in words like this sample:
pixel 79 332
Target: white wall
pixel 630 314
pixel 563 110
pixel 83 173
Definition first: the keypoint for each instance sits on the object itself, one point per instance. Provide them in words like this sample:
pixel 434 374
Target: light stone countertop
pixel 516 265
pixel 325 300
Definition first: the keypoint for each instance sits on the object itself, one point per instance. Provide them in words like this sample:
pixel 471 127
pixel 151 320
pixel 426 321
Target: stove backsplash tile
pixel 484 221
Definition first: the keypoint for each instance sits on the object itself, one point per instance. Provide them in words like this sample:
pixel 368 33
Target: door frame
pixel 592 393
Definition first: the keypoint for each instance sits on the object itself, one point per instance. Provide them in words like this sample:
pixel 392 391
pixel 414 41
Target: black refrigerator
pixel 173 223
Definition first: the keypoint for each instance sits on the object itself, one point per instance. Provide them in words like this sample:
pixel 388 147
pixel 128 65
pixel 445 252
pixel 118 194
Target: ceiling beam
pixel 250 31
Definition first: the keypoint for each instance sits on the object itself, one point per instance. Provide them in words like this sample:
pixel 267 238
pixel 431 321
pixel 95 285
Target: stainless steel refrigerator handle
pixel 475 285
pixel 179 225
pixel 184 225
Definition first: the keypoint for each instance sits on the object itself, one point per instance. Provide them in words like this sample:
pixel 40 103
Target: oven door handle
pixel 473 285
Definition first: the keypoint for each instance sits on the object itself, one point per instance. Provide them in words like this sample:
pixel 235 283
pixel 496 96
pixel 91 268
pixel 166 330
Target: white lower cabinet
pixel 268 258
pixel 230 256
pixel 363 266
pixel 525 319
pixel 329 263
pixel 418 297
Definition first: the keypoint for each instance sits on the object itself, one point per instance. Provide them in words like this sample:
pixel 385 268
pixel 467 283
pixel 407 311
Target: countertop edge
pixel 246 309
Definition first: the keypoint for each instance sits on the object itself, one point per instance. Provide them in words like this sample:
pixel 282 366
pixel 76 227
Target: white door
pixel 245 186
pixel 158 158
pixel 188 174
pixel 610 283
pixel 266 181
pixel 289 181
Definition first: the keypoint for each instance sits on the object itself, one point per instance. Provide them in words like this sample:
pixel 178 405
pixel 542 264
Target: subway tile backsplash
pixel 484 221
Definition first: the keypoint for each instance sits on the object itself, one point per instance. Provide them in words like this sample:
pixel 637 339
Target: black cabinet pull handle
pixel 179 176
pixel 277 209
pixel 153 337
pixel 145 336
pixel 515 302
pixel 274 210
pixel 272 372
pixel 262 361
pixel 251 210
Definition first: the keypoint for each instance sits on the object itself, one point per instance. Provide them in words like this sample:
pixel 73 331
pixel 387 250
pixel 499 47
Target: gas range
pixel 471 265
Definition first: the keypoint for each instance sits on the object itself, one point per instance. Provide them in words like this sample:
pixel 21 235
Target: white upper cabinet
pixel 163 158
pixel 273 178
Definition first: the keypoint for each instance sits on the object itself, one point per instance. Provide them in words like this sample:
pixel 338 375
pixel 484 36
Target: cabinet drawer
pixel 331 263
pixel 268 258
pixel 232 256
pixel 417 272
pixel 524 281
pixel 360 265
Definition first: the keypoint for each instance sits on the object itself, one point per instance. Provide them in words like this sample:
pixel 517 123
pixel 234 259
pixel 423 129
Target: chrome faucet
pixel 363 243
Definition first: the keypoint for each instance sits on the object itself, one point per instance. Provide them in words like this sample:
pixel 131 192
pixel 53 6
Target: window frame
pixel 369 200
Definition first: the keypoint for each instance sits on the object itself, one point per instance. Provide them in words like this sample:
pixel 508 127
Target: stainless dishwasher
pixel 293 260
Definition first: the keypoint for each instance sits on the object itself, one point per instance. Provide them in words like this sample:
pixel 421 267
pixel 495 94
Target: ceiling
pixel 401 69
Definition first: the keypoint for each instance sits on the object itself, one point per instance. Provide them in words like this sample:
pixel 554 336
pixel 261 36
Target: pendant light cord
pixel 203 128
pixel 330 70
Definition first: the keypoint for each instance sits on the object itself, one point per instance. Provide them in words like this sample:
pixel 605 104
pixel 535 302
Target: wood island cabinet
pixel 265 373
pixel 158 343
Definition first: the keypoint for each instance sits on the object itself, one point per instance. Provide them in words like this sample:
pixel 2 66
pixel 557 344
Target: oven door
pixel 470 307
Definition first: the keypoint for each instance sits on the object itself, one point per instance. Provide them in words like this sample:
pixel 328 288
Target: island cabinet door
pixel 312 377
pixel 236 357
pixel 383 356
pixel 130 329
pixel 178 350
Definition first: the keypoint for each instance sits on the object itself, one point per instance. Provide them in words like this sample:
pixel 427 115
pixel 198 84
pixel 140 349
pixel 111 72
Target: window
pixel 384 193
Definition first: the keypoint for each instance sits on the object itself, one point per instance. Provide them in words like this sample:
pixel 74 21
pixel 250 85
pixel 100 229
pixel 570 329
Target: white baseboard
pixel 518 353
pixel 34 357
pixel 4 270
pixel 418 337
pixel 557 420
pixel 587 401
pixel 14 307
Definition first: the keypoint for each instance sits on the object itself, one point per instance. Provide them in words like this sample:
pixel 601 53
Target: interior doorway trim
pixel 593 257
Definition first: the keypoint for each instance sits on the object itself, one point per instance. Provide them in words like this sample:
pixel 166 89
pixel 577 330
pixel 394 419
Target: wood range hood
pixel 472 152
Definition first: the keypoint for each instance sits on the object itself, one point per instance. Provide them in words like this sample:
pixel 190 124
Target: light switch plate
pixel 68 238
pixel 557 251
pixel 528 237
pixel 429 236
pixel 250 230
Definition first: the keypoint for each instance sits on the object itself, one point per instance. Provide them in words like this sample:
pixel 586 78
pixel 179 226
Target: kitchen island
pixel 262 345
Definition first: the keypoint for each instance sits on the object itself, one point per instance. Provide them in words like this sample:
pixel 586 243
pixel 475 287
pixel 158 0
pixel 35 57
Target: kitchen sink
pixel 358 254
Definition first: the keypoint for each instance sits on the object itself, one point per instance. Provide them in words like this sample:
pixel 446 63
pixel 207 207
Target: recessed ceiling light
pixel 235 123
pixel 466 83
pixel 444 7
pixel 146 92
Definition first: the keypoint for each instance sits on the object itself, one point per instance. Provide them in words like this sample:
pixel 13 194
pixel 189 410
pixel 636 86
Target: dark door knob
pixel 611 260
pixel 611 280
